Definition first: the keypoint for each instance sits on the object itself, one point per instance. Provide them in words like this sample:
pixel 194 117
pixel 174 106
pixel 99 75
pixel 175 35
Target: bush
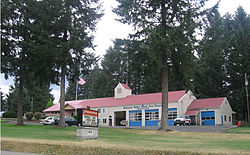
pixel 74 116
pixel 29 116
pixel 38 115
pixel 10 114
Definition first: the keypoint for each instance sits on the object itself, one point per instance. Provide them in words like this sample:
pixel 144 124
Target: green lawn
pixel 244 130
pixel 144 139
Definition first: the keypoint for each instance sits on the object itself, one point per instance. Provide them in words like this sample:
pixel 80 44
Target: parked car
pixel 182 120
pixel 68 121
pixel 49 120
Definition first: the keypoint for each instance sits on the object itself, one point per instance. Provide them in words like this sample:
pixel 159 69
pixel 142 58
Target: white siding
pixel 184 102
pixel 109 111
pixel 121 92
pixel 226 110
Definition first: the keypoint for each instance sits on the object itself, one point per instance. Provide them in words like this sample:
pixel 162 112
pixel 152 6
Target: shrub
pixel 10 114
pixel 37 115
pixel 29 115
pixel 74 116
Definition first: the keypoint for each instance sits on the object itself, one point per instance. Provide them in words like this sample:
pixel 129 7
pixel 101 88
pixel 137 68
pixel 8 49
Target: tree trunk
pixel 164 113
pixel 62 97
pixel 20 102
pixel 164 70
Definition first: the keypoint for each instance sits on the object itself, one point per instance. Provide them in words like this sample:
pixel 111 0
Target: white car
pixel 182 120
pixel 49 120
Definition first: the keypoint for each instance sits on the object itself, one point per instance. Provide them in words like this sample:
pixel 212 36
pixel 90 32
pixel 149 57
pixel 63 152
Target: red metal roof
pixel 125 86
pixel 206 103
pixel 192 112
pixel 173 96
pixel 56 107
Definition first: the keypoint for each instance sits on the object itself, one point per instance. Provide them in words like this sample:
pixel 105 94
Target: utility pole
pixel 248 111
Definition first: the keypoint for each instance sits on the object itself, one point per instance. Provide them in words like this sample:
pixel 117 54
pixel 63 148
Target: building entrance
pixel 120 118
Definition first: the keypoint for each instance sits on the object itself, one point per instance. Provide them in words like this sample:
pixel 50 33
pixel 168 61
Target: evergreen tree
pixel 76 20
pixel 211 78
pixel 168 29
pixel 35 97
pixel 12 99
pixel 39 94
pixel 49 104
pixel 114 65
pixel 238 58
pixel 16 57
pixel 4 106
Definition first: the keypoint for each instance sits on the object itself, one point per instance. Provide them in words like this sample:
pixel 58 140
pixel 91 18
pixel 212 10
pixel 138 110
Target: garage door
pixel 151 117
pixel 172 114
pixel 135 118
pixel 207 118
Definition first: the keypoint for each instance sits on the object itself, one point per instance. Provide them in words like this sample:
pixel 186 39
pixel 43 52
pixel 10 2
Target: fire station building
pixel 145 109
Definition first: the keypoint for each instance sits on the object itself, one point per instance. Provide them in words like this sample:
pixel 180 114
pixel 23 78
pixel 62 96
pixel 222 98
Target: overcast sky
pixel 109 29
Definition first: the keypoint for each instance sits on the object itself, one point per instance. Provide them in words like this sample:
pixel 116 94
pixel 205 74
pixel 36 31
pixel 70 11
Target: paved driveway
pixel 177 128
pixel 187 128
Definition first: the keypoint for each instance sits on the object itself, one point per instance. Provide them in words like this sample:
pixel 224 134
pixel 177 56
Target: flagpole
pixel 76 89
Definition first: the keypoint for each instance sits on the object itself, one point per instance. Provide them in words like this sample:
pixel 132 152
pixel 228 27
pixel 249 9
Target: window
pixel 225 118
pixel 135 116
pixel 104 120
pixel 99 110
pixel 150 116
pixel 119 90
pixel 230 119
pixel 103 110
pixel 172 115
pixel 208 118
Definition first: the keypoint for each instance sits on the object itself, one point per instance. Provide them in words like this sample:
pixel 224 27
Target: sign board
pixel 87 118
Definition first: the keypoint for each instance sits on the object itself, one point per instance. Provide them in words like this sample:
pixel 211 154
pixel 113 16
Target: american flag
pixel 81 81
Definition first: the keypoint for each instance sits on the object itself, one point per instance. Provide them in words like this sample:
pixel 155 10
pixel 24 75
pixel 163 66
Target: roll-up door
pixel 135 118
pixel 172 114
pixel 208 118
pixel 151 117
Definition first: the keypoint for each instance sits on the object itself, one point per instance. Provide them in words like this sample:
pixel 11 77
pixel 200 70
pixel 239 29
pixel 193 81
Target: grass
pixel 243 130
pixel 37 132
pixel 111 139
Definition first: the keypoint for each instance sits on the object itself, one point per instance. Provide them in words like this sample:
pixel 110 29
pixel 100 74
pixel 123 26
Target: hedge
pixel 10 114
